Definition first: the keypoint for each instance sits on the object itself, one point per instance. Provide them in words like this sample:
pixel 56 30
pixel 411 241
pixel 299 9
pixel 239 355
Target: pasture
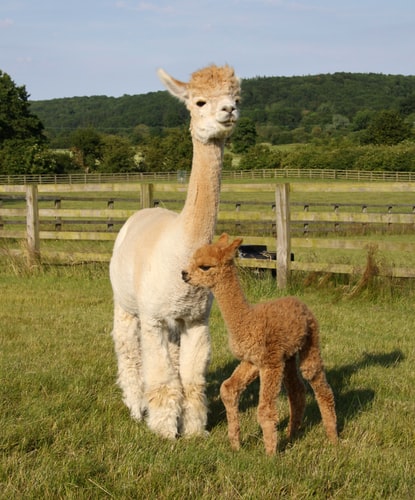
pixel 65 432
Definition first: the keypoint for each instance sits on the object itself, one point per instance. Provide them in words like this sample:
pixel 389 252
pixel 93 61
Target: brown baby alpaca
pixel 267 338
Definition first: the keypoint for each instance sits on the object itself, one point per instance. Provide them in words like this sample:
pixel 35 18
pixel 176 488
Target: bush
pixel 386 127
pixel 260 156
pixel 26 157
pixel 400 157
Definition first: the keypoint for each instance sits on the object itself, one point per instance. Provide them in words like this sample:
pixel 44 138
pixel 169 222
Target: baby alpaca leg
pixel 230 391
pixel 313 370
pixel 270 387
pixel 295 388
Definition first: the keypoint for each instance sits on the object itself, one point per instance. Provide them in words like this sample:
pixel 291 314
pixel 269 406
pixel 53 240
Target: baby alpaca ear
pixel 231 249
pixel 236 243
pixel 175 87
pixel 223 240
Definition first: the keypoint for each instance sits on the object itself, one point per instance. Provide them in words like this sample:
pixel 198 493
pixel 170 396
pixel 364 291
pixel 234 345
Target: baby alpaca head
pixel 209 262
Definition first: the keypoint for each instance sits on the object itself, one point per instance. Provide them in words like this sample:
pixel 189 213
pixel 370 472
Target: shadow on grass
pixel 349 403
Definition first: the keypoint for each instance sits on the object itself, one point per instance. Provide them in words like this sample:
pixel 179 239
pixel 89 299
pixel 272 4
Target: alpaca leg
pixel 270 387
pixel 230 391
pixel 295 388
pixel 194 361
pixel 163 390
pixel 127 348
pixel 312 369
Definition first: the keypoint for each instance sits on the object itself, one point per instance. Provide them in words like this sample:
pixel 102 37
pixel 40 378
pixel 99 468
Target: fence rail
pixel 282 216
pixel 227 175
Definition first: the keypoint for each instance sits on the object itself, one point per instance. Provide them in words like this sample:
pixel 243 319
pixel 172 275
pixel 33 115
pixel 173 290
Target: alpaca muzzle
pixel 185 276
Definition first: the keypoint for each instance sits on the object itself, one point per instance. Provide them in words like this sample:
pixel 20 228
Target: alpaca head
pixel 209 262
pixel 212 97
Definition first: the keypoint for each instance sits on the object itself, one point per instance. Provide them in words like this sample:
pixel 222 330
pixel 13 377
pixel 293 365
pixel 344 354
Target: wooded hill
pixel 285 102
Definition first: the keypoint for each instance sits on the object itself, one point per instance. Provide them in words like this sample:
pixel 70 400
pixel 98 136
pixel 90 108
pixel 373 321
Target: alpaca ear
pixel 223 240
pixel 236 243
pixel 175 87
pixel 230 251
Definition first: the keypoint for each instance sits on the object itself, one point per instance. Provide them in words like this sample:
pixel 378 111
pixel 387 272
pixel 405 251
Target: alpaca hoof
pixel 204 434
pixel 235 445
pixel 163 431
pixel 136 417
pixel 163 424
pixel 334 439
pixel 294 433
pixel 137 413
pixel 194 426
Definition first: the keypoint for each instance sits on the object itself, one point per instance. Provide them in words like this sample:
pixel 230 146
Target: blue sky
pixel 65 48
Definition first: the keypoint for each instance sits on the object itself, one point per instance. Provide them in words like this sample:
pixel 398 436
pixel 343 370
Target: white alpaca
pixel 160 329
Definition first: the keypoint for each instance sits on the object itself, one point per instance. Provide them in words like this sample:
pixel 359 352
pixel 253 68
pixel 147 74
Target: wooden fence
pixel 49 223
pixel 259 174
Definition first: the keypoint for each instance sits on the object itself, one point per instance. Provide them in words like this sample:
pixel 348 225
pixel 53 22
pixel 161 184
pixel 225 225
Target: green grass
pixel 65 432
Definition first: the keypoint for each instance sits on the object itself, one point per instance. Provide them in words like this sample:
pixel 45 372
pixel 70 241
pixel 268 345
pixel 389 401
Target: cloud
pixel 6 23
pixel 144 7
pixel 290 5
pixel 24 60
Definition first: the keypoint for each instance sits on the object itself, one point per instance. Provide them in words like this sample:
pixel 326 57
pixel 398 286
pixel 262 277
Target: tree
pixel 140 134
pixel 117 155
pixel 170 152
pixel 86 145
pixel 407 105
pixel 17 122
pixel 245 135
pixel 362 119
pixel 22 143
pixel 387 127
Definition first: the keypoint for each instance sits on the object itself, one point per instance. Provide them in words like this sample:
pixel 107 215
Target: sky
pixel 66 48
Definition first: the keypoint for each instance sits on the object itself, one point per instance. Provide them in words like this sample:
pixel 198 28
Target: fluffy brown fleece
pixel 270 339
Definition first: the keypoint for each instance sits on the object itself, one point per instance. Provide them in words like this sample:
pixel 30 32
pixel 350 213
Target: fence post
pixel 32 224
pixel 282 203
pixel 110 223
pixel 58 220
pixel 146 195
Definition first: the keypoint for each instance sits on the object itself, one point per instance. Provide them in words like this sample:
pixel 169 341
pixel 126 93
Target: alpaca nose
pixel 228 108
pixel 185 276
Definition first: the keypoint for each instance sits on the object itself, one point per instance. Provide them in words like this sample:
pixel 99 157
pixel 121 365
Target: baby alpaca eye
pixel 204 268
pixel 200 103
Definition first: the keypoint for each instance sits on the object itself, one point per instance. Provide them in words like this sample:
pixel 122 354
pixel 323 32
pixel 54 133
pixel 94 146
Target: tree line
pixel 284 109
pixel 343 120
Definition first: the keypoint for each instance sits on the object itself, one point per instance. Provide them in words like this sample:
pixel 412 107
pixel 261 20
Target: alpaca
pixel 267 338
pixel 160 331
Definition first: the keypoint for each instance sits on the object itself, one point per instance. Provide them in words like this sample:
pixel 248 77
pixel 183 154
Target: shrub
pixel 260 156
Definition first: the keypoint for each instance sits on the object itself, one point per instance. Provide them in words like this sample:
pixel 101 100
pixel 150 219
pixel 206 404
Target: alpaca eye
pixel 204 268
pixel 200 103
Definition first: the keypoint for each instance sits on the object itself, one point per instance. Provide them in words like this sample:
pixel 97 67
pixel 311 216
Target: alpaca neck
pixel 200 210
pixel 232 303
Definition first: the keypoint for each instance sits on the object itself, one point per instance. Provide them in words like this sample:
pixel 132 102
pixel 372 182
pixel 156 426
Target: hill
pixel 110 114
pixel 284 102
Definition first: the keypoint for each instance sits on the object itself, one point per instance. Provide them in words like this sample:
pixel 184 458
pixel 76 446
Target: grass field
pixel 65 432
